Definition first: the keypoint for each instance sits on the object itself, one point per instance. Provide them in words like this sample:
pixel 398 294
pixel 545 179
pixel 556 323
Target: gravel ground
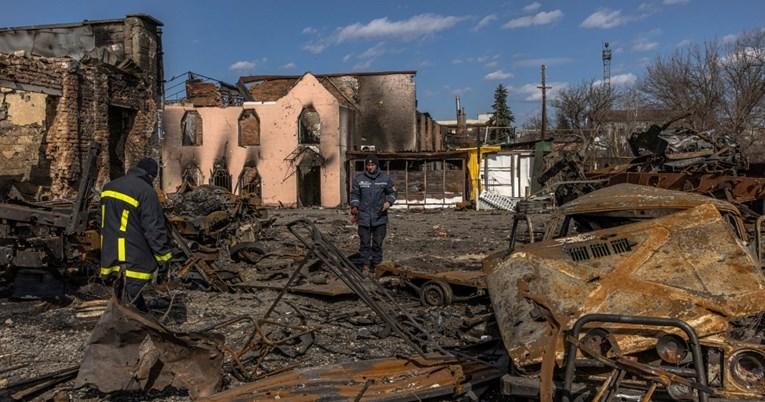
pixel 47 337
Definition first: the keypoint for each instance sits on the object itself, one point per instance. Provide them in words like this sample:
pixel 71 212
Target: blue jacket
pixel 368 192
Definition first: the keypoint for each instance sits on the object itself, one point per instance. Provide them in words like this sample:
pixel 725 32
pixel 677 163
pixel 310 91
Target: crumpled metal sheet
pixel 687 265
pixel 392 379
pixel 129 351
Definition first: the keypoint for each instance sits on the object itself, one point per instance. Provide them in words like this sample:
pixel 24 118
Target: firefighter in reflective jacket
pixel 134 236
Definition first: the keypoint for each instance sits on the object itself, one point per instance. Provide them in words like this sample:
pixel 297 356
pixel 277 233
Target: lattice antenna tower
pixel 606 65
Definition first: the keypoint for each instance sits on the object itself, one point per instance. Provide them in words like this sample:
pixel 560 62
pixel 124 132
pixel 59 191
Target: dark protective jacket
pixel 133 231
pixel 368 192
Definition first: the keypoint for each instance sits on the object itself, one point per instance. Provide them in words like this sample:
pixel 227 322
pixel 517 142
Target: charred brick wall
pixel 77 101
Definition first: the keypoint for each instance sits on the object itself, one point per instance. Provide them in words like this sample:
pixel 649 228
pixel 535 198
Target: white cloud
pixel 748 54
pixel 243 66
pixel 457 61
pixel 730 38
pixel 412 28
pixel 347 57
pixel 498 75
pixel 644 46
pixel 548 61
pixel 315 47
pixel 491 64
pixel 416 27
pixel 674 2
pixel 364 65
pixel 683 43
pixel 646 41
pixel 373 52
pixel 485 21
pixel 605 19
pixel 530 92
pixel 309 30
pixel 532 7
pixel 620 80
pixel 541 18
pixel 289 66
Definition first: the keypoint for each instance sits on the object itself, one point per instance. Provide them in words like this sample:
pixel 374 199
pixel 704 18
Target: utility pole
pixel 544 89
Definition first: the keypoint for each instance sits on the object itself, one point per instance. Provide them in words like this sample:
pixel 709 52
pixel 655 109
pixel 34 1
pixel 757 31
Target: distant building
pixel 291 134
pixel 619 124
pixel 459 135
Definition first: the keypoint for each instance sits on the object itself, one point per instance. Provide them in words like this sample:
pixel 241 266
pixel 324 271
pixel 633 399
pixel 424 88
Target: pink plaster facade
pixel 278 139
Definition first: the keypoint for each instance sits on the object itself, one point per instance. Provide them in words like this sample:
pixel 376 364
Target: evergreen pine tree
pixel 502 117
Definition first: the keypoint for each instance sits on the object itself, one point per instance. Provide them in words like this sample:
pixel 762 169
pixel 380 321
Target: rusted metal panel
pixel 622 197
pixel 688 265
pixel 475 279
pixel 128 351
pixel 738 188
pixel 411 379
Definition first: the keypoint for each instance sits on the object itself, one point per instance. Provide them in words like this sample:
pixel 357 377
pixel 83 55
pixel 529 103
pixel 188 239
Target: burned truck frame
pixel 40 241
pixel 640 293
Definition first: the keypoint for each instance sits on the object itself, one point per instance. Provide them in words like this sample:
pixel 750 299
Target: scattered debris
pixel 395 379
pixel 129 351
pixel 436 289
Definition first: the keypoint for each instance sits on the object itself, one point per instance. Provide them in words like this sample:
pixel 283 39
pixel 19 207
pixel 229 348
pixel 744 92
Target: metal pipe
pixel 693 341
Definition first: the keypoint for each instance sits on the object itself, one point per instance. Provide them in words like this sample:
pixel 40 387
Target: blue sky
pixel 457 47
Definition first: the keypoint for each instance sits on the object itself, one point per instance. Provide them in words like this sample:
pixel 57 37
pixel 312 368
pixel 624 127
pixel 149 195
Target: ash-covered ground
pixel 37 337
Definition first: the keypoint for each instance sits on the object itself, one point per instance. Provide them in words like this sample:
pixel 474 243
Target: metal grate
pixel 600 250
pixel 621 246
pixel 579 253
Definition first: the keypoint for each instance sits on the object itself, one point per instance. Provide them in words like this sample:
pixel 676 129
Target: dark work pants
pixel 370 247
pixel 130 291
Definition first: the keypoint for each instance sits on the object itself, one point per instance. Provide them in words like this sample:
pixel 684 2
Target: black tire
pixel 247 252
pixel 436 293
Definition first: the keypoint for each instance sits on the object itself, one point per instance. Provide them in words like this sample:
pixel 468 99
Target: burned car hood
pixel 688 265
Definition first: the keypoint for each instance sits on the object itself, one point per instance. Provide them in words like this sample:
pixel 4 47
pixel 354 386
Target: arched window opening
pixel 309 126
pixel 249 128
pixel 191 129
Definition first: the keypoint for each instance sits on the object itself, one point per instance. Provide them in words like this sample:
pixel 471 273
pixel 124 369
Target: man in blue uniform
pixel 134 237
pixel 372 194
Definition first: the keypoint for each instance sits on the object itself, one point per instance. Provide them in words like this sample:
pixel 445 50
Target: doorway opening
pixel 309 186
pixel 120 123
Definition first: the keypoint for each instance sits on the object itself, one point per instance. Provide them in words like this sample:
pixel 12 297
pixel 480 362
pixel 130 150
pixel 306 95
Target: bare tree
pixel 743 73
pixel 583 108
pixel 715 86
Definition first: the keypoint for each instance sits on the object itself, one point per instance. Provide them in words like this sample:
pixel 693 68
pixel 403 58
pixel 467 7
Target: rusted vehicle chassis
pixel 666 308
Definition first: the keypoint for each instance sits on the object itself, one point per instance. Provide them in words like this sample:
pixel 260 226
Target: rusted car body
pixel 632 251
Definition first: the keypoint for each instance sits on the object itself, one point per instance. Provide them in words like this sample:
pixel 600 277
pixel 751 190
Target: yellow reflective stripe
pixel 108 270
pixel 164 257
pixel 138 275
pixel 120 196
pixel 103 215
pixel 124 220
pixel 121 249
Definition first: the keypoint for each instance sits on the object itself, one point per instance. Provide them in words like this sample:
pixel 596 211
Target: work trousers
pixel 130 292
pixel 371 241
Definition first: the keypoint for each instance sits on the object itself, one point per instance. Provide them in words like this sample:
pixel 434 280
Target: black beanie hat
pixel 373 159
pixel 149 166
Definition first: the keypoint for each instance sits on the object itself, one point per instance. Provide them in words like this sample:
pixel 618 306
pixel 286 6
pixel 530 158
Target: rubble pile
pixel 272 304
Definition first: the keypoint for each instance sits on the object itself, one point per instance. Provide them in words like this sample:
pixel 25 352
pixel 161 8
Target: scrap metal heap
pixel 42 243
pixel 635 292
pixel 681 159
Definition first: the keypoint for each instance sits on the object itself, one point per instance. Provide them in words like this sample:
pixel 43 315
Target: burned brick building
pixel 291 134
pixel 65 87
